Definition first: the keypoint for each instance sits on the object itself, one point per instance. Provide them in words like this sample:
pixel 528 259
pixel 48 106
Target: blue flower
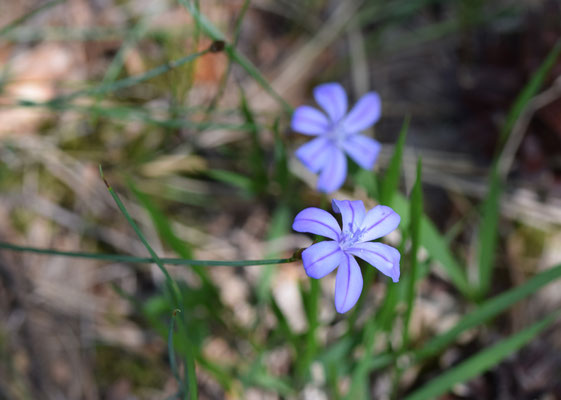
pixel 337 133
pixel 359 228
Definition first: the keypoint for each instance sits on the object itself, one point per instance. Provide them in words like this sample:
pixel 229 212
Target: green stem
pixel 224 79
pixel 18 21
pixel 214 33
pixel 177 297
pixel 149 260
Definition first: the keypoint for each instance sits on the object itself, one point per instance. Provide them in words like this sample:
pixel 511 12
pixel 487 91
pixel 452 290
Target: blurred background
pixel 201 154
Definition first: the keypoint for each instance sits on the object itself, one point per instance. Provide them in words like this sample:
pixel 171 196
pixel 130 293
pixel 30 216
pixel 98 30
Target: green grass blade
pixel 18 21
pixel 171 285
pixel 381 323
pixel 135 114
pixel 117 85
pixel 529 91
pixel 436 245
pixel 259 376
pixel 488 310
pixel 394 11
pixel 161 223
pixel 113 70
pixel 244 62
pixel 386 315
pixel 390 183
pixel 165 230
pixel 282 174
pixel 214 33
pixel 171 350
pixel 279 227
pixel 491 208
pixel 310 344
pixel 283 327
pixel 368 181
pixel 481 362
pixel 415 231
pixel 488 234
pixel 243 182
pixel 224 80
pixel 361 371
pixel 147 260
pixel 205 25
pixel 116 65
pixel 256 156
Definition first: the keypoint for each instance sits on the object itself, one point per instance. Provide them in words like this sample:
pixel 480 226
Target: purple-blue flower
pixel 359 228
pixel 337 133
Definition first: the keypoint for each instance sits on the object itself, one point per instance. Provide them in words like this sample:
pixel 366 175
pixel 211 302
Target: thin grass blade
pixel 436 245
pixel 117 85
pixel 279 227
pixel 148 260
pixel 172 287
pixel 243 182
pixel 18 21
pixel 529 91
pixel 166 232
pixel 390 183
pixel 171 350
pixel 415 232
pixel 488 234
pixel 482 361
pixel 214 33
pixel 256 155
pixel 491 308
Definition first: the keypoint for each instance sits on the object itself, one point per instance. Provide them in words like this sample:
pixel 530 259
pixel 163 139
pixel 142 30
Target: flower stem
pixel 133 259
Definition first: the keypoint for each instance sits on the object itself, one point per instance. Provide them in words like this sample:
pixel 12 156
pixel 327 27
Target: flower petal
pixel 334 171
pixel 309 121
pixel 315 153
pixel 378 222
pixel 362 149
pixel 333 99
pixel 348 284
pixel 321 258
pixel 364 114
pixel 352 213
pixel 385 258
pixel 317 221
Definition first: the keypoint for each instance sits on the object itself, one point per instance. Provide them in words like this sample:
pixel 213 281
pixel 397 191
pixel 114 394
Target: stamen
pixel 350 238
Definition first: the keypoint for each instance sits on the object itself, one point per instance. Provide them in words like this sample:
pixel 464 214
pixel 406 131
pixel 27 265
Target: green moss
pixel 113 364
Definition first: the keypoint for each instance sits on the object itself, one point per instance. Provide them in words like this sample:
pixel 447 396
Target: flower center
pixel 337 133
pixel 350 237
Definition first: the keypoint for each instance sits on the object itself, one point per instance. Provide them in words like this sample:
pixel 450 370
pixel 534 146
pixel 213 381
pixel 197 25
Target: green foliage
pixel 415 232
pixel 280 225
pixel 172 287
pixel 437 246
pixel 242 182
pixel 489 309
pixel 390 182
pixel 171 349
pixel 256 156
pixel 529 91
pixel 481 361
pixel 488 234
